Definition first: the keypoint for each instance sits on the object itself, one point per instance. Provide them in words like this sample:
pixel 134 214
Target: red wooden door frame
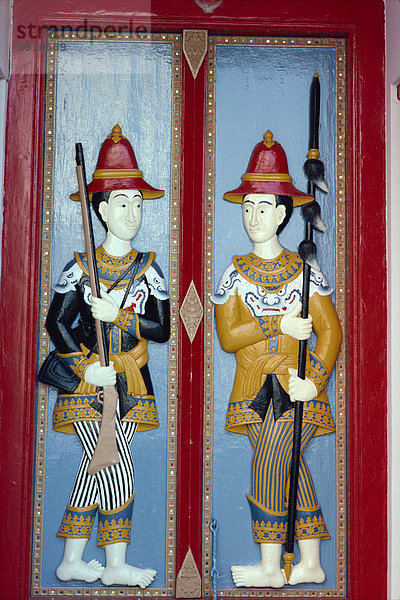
pixel 362 23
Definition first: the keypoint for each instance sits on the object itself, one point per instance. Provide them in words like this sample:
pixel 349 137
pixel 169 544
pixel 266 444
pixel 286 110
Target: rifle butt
pixel 106 451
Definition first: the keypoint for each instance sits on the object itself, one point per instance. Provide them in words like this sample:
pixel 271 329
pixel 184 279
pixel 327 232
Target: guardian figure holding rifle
pixel 133 306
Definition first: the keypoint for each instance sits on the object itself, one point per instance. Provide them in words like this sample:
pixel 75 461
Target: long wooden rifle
pixel 106 452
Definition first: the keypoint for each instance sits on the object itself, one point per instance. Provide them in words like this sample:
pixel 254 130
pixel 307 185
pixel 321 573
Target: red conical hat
pixel 268 173
pixel 117 169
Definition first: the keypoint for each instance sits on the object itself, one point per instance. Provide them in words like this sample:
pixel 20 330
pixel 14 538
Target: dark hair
pixel 97 199
pixel 287 202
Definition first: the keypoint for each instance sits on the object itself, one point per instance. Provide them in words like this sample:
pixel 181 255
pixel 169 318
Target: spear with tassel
pixel 314 170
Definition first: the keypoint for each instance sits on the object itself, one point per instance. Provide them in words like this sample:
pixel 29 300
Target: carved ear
pixel 281 213
pixel 103 210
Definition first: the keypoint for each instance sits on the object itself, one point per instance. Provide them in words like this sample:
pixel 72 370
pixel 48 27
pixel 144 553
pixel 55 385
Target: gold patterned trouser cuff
pixel 77 522
pixel 308 525
pixel 115 525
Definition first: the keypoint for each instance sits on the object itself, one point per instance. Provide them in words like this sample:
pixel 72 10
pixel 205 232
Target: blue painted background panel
pixel 98 85
pixel 260 88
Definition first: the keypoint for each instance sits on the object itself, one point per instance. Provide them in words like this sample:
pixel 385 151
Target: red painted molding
pixel 363 24
pixel 191 359
pixel 366 345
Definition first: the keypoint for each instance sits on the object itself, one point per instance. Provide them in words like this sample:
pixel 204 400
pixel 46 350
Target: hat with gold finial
pixel 117 169
pixel 268 173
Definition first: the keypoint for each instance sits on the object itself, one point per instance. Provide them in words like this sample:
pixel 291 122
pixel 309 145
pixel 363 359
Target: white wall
pixel 393 195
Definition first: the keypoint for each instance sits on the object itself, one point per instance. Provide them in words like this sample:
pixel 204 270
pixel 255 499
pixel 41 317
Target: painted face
pixel 261 216
pixel 123 213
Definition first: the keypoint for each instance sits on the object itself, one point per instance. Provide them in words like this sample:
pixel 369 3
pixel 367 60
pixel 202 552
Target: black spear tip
pixel 79 154
pixel 315 171
pixel 312 213
pixel 315 92
pixel 308 252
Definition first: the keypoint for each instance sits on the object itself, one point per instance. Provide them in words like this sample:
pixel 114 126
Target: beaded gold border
pixel 340 184
pixel 54 39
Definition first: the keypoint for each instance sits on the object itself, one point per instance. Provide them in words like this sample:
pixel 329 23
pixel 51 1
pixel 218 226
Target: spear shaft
pixel 298 422
pixel 301 371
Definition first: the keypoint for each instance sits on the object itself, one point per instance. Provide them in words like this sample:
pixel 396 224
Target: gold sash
pixel 129 363
pixel 257 365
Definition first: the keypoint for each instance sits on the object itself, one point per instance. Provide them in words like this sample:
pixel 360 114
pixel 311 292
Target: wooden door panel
pixel 361 24
pixel 94 85
pixel 249 96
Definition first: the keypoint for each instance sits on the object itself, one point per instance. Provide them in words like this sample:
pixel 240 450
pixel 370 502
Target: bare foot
pixel 257 576
pixel 305 574
pixel 128 575
pixel 80 570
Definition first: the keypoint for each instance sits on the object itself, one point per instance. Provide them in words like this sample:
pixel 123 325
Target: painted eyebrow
pixel 261 202
pixel 138 195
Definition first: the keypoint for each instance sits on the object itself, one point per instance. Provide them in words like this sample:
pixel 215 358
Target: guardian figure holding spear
pixel 132 304
pixel 257 306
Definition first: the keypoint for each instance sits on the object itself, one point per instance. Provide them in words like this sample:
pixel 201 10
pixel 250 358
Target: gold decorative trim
pixel 114 531
pixel 76 526
pixel 268 141
pixel 339 45
pixel 194 48
pixel 116 173
pixel 56 43
pixel 116 134
pixel 188 582
pixel 266 177
pixel 191 311
pixel 313 153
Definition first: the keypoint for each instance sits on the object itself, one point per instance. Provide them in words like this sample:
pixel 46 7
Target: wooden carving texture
pixel 188 582
pixel 194 48
pixel 191 311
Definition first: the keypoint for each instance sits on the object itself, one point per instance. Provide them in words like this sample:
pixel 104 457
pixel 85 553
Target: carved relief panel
pixel 253 84
pixel 257 84
pixel 92 83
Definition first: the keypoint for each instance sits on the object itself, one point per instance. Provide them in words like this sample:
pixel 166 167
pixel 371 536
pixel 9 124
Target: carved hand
pixel 104 308
pixel 101 376
pixel 301 390
pixel 295 326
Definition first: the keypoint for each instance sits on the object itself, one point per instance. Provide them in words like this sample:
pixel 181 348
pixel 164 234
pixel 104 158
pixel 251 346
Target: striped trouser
pixel 272 443
pixel 109 492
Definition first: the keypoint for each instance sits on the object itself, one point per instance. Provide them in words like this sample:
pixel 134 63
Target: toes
pixel 143 582
pixel 237 575
pixel 235 569
pixel 237 578
pixel 95 564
